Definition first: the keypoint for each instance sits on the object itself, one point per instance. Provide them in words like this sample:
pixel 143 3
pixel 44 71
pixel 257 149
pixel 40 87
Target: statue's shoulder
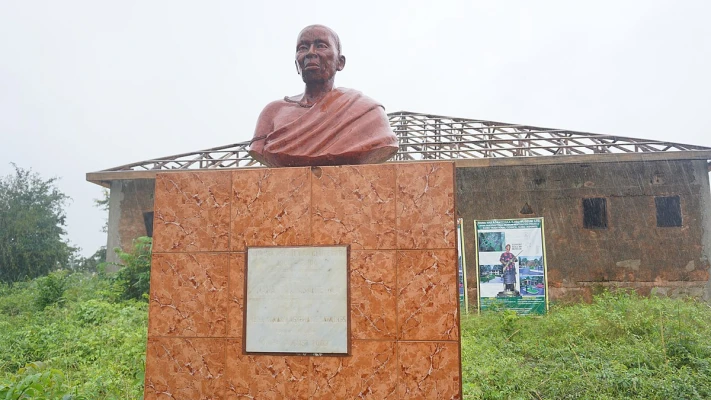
pixel 272 109
pixel 358 95
pixel 276 104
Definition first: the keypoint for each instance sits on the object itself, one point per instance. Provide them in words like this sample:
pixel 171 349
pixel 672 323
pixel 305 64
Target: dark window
pixel 148 221
pixel 595 213
pixel 668 211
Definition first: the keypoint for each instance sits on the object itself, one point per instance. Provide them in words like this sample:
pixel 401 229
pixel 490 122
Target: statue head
pixel 318 54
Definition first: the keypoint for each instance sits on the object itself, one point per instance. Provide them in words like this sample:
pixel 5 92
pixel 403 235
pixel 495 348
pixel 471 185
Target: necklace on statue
pixel 288 100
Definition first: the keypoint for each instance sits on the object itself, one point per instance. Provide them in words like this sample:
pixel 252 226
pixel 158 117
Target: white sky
pixel 89 85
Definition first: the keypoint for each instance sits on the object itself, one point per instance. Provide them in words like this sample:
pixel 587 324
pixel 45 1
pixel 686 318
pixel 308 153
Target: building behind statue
pixel 619 212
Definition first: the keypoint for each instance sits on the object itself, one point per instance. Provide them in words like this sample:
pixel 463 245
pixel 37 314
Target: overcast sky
pixel 90 85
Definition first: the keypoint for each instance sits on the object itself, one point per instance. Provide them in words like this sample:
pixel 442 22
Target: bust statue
pixel 324 125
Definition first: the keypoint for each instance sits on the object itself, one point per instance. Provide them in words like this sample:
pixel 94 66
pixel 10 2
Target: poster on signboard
pixel 511 265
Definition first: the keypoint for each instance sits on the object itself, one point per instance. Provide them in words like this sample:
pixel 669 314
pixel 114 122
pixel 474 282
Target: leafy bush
pixel 133 280
pixel 36 381
pixel 50 289
pixel 18 298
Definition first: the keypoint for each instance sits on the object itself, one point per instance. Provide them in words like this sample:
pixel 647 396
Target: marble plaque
pixel 297 300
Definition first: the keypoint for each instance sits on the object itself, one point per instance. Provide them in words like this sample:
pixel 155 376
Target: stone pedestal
pixel 399 222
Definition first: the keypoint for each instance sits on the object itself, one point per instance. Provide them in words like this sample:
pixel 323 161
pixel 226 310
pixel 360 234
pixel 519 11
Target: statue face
pixel 317 55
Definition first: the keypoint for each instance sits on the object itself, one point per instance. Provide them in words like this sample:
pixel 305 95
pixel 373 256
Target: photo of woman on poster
pixel 508 269
pixel 508 273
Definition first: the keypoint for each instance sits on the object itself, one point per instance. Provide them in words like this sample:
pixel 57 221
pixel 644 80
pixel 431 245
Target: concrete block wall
pixel 631 252
pixel 128 201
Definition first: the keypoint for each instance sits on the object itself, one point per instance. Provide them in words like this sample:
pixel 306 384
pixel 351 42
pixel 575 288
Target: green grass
pixel 620 347
pixel 71 336
pixel 86 344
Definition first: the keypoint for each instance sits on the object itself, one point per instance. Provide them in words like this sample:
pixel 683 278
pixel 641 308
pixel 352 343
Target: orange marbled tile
pixel 192 211
pixel 373 294
pixel 235 301
pixel 188 294
pixel 181 368
pixel 427 295
pixel 354 204
pixel 370 373
pixel 425 206
pixel 270 207
pixel 265 377
pixel 429 370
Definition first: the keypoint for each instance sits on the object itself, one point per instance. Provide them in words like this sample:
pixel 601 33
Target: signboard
pixel 511 265
pixel 297 300
pixel 461 261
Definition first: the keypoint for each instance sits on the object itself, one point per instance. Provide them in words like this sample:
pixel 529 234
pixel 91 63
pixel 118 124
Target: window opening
pixel 595 213
pixel 148 222
pixel 668 211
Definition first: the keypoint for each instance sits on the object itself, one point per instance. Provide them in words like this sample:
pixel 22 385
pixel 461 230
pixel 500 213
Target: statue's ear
pixel 341 63
pixel 296 64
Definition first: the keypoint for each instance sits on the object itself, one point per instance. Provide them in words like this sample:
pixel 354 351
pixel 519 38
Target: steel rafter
pixel 434 137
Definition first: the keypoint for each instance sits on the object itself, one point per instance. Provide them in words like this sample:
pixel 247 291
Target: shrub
pixel 18 298
pixel 36 381
pixel 133 280
pixel 50 289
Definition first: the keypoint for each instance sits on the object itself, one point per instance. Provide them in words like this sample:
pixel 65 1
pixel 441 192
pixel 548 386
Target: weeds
pixel 84 341
pixel 70 340
pixel 620 347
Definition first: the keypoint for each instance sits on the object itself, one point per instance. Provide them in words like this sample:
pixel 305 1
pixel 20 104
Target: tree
pixel 88 264
pixel 92 263
pixel 103 204
pixel 32 221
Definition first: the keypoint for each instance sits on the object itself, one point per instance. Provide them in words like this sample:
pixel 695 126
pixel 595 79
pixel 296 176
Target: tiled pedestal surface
pixel 399 221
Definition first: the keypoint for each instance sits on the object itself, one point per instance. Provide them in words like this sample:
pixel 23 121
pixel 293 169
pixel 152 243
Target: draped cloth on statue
pixel 344 127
